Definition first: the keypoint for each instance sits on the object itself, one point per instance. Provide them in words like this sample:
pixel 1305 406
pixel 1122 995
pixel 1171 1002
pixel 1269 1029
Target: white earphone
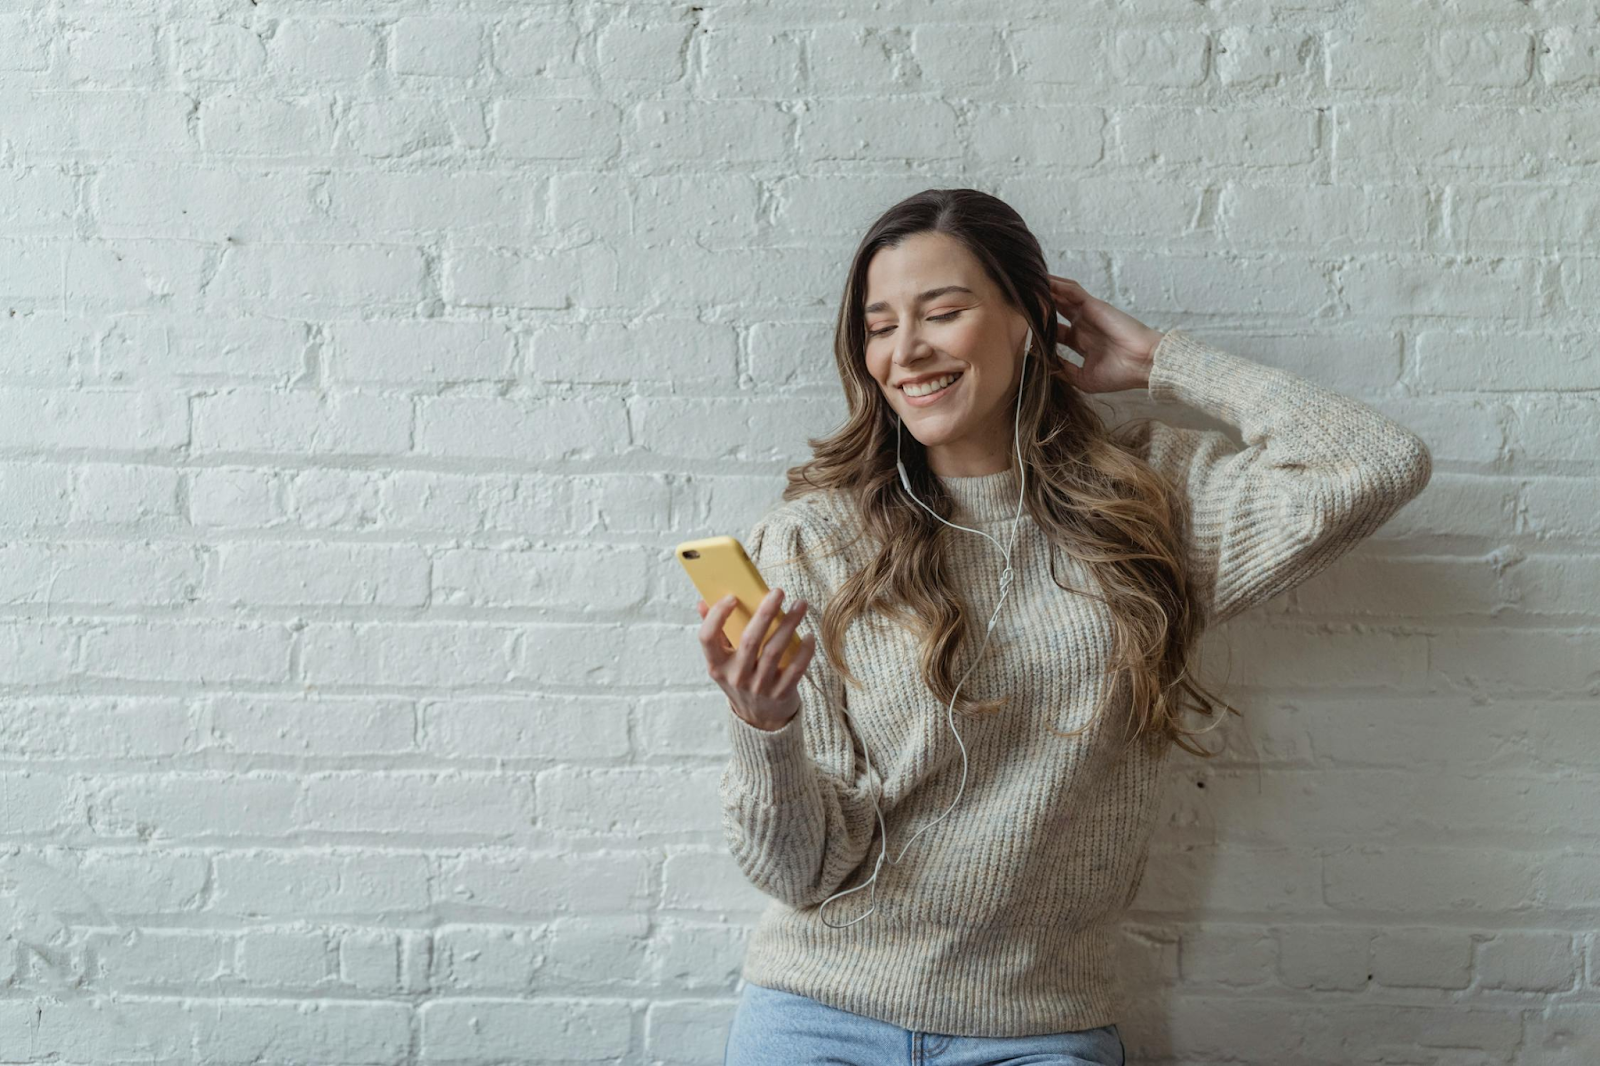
pixel 1006 577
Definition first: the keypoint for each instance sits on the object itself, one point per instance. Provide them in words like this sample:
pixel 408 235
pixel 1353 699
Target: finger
pixel 1070 290
pixel 767 668
pixel 790 678
pixel 721 637
pixel 744 656
pixel 713 640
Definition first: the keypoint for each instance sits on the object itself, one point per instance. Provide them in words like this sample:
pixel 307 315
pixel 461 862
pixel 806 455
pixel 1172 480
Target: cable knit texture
pixel 999 920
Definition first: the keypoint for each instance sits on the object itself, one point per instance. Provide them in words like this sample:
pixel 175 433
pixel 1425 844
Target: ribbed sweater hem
pixel 1031 981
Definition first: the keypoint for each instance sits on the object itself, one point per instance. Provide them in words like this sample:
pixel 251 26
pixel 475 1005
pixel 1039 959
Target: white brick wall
pixel 364 361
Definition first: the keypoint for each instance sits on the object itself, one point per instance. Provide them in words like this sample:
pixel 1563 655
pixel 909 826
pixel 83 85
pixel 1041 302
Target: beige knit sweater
pixel 998 921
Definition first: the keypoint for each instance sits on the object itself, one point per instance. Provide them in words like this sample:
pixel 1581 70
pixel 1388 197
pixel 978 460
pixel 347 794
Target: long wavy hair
pixel 1088 490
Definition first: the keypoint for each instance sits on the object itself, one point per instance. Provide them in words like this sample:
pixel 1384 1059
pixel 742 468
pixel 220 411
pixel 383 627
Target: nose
pixel 907 348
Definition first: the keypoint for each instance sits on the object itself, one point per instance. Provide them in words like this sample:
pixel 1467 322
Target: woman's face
pixel 967 330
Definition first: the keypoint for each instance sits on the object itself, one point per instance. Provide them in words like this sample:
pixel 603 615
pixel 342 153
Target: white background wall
pixel 364 361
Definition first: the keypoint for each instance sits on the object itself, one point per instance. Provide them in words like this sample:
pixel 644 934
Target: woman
pixel 1111 551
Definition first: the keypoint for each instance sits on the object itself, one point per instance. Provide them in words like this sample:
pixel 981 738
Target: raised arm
pixel 1318 472
pixel 797 802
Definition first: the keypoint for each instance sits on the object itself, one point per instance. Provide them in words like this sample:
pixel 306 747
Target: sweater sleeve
pixel 1318 472
pixel 797 802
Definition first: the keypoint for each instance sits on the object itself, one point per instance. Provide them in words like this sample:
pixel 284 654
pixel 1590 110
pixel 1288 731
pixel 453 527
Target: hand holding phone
pixel 751 652
pixel 759 689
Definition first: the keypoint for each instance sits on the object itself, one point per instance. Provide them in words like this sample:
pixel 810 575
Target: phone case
pixel 718 566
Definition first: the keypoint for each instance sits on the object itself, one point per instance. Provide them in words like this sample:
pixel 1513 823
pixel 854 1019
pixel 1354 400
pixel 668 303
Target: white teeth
pixel 926 387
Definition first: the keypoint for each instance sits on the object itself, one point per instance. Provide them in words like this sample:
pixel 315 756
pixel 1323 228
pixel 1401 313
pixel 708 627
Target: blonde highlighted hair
pixel 1087 488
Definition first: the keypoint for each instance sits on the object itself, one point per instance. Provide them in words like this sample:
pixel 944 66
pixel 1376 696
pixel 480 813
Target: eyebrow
pixel 882 305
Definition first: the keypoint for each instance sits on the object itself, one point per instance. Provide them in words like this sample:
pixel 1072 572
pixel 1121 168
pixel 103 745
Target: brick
pixel 370 959
pixel 92 122
pixel 1324 957
pixel 489 958
pixel 1179 284
pixel 171 958
pixel 1557 509
pixel 1159 57
pixel 677 352
pixel 369 1033
pixel 644 51
pixel 285 958
pixel 957 56
pixel 1425 880
pixel 625 802
pixel 1519 218
pixel 24 44
pixel 1376 58
pixel 322 50
pixel 1257 138
pixel 1232 878
pixel 1323 216
pixel 1550 428
pixel 437 47
pixel 1258 58
pixel 1571 56
pixel 321 725
pixel 459 804
pixel 545 882
pixel 1421 957
pixel 436 351
pixel 119 51
pixel 1523 660
pixel 1501 58
pixel 46 728
pixel 486 428
pixel 405 654
pixel 893 129
pixel 290 885
pixel 459 1028
pixel 1565 1034
pixel 1068 136
pixel 1478 362
pixel 263 127
pixel 236 652
pixel 538 727
pixel 1528 962
pixel 1408 143
pixel 315 279
pixel 547 49
pixel 36 803
pixel 1461 287
pixel 38 202
pixel 304 422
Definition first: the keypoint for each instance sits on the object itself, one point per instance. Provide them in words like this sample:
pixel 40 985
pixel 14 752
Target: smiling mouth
pixel 937 392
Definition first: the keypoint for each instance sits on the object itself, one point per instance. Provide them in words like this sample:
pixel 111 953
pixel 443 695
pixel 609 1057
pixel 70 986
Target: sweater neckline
pixel 985 497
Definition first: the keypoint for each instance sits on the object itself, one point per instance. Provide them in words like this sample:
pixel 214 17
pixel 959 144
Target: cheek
pixel 878 365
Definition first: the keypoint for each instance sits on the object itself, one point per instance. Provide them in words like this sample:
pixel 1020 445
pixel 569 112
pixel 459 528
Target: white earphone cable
pixel 1006 577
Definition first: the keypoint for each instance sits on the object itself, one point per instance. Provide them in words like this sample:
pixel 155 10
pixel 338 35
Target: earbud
pixel 1007 577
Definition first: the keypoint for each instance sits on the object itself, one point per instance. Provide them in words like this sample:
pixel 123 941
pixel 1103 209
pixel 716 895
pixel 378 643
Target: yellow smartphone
pixel 718 566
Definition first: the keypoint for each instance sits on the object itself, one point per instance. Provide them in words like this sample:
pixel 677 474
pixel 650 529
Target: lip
pixel 920 378
pixel 933 398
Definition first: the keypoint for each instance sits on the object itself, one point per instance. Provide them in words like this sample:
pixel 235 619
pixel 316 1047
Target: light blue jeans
pixel 776 1028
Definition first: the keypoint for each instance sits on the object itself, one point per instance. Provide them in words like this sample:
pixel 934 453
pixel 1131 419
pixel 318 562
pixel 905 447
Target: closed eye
pixel 931 318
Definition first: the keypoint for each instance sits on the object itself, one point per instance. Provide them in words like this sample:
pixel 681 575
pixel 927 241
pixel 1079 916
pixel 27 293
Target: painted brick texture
pixel 363 362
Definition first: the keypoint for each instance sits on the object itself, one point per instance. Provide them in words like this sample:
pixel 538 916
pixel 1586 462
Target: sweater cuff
pixel 1210 379
pixel 772 764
